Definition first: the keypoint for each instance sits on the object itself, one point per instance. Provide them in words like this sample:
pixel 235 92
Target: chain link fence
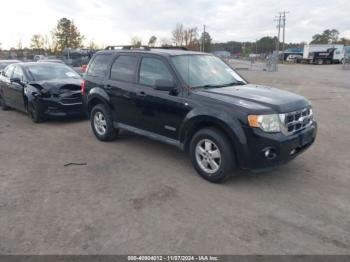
pixel 272 62
pixel 346 62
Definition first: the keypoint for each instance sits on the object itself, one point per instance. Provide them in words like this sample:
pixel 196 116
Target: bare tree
pixel 178 35
pixel 37 42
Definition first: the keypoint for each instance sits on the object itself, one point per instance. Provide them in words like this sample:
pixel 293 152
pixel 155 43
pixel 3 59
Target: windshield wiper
pixel 221 85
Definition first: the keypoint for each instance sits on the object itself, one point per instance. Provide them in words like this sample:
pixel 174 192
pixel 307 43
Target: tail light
pixel 83 87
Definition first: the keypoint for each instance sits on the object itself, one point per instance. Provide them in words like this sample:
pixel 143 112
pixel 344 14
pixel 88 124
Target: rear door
pixel 6 84
pixel 122 89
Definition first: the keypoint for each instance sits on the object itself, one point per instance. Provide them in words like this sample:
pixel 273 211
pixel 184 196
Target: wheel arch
pixel 234 133
pixel 95 99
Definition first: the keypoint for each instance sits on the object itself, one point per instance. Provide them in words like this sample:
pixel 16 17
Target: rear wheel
pixel 102 123
pixel 212 154
pixel 3 104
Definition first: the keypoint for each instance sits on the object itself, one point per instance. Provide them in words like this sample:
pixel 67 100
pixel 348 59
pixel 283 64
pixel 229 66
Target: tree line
pixel 67 35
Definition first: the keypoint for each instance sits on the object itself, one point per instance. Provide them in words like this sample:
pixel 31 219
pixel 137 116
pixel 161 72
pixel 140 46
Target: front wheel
pixel 35 113
pixel 212 154
pixel 102 123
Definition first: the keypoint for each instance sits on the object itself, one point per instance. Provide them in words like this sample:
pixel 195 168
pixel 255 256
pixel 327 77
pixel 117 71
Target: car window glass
pixel 153 69
pixel 124 68
pixel 9 71
pixel 99 65
pixel 18 73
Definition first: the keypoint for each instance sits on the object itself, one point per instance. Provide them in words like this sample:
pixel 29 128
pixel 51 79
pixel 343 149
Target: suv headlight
pixel 267 123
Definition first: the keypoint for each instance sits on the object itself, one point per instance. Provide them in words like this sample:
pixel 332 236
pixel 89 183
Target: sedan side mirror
pixel 164 85
pixel 16 80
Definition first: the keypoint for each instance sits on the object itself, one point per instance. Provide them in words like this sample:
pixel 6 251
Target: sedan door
pixel 16 89
pixel 6 85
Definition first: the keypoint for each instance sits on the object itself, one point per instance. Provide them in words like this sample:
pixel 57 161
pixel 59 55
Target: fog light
pixel 270 153
pixel 292 152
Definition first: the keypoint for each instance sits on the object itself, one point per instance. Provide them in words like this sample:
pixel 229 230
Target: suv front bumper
pixel 265 150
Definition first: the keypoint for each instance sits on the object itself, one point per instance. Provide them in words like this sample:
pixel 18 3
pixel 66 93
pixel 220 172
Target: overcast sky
pixel 115 22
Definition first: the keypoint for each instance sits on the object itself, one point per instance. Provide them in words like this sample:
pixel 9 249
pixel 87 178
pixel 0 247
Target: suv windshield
pixel 205 71
pixel 50 71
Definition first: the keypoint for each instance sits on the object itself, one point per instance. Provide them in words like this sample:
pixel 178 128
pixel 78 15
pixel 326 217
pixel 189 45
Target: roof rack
pixel 126 47
pixel 144 47
pixel 172 48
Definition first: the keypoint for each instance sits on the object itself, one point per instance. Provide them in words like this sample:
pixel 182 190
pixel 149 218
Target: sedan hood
pixel 257 97
pixel 57 86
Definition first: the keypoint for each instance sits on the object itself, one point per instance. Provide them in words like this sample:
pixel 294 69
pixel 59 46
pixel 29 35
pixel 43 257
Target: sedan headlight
pixel 267 123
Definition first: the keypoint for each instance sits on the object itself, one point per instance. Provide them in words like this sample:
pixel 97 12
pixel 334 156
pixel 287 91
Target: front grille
pixel 73 99
pixel 297 120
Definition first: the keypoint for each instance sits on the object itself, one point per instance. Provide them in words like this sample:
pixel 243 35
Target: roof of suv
pixel 158 51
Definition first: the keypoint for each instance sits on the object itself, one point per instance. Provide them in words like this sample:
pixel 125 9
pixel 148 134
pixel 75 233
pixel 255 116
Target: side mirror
pixel 164 85
pixel 16 80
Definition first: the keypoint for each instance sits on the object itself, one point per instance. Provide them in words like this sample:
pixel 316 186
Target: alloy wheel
pixel 208 156
pixel 100 123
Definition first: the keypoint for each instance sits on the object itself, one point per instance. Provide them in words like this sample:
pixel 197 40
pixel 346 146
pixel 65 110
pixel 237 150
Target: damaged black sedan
pixel 41 90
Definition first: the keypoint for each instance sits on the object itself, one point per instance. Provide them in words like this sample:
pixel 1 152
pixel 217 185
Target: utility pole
pixel 279 20
pixel 284 30
pixel 203 40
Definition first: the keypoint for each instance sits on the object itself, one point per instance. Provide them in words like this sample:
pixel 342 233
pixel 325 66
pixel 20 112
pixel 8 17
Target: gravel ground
pixel 135 195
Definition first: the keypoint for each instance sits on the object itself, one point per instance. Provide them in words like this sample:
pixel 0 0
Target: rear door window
pixel 99 66
pixel 124 68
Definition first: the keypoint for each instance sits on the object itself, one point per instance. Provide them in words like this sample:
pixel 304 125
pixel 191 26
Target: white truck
pixel 323 54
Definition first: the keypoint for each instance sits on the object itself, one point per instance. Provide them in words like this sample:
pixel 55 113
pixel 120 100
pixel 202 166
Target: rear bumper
pixel 265 150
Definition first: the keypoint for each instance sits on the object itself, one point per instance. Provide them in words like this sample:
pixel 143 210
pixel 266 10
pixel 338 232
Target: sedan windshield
pixel 205 71
pixel 50 71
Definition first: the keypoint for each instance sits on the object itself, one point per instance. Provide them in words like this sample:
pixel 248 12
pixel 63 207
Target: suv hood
pixel 257 97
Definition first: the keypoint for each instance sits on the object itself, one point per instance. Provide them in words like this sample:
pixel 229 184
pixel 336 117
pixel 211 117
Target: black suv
pixel 196 102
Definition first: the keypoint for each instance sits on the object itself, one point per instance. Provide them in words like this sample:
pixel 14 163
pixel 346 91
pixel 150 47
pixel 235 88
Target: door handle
pixel 108 87
pixel 141 93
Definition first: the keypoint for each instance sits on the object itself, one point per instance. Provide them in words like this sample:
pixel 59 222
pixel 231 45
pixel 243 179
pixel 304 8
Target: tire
pixel 319 61
pixel 204 155
pixel 3 105
pixel 102 123
pixel 35 114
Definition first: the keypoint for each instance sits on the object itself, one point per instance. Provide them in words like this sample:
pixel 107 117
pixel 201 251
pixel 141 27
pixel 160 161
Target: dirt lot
pixel 140 196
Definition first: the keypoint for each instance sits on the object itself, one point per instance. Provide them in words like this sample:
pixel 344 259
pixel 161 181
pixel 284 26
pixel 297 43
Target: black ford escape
pixel 198 103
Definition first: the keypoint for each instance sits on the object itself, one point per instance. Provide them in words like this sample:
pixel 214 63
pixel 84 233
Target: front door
pixel 161 112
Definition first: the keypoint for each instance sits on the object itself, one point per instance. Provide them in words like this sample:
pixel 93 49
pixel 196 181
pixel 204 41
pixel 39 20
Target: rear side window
pixel 9 71
pixel 99 65
pixel 153 69
pixel 124 68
